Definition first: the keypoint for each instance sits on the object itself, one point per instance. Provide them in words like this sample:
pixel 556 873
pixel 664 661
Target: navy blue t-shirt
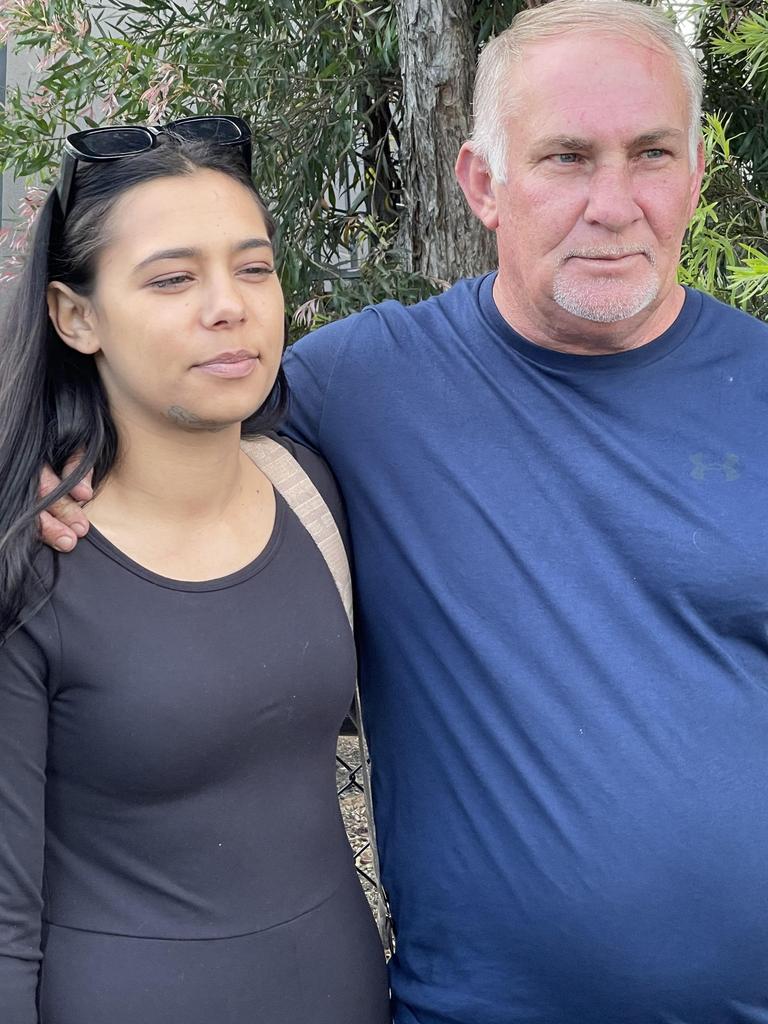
pixel 562 573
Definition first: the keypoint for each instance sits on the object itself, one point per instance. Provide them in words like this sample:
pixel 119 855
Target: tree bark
pixel 440 234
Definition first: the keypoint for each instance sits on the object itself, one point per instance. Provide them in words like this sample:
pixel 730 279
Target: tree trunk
pixel 437 58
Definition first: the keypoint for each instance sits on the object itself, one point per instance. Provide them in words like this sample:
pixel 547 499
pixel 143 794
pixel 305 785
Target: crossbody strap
pixel 304 499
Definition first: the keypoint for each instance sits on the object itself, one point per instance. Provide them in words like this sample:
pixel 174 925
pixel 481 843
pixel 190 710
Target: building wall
pixel 3 61
pixel 14 70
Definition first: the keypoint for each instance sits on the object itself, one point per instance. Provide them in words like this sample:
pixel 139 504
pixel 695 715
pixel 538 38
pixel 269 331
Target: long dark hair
pixel 52 402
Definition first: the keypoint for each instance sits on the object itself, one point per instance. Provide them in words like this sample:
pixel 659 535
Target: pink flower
pixel 16 239
pixel 306 312
pixel 31 202
pixel 217 95
pixel 157 95
pixel 110 104
pixel 42 100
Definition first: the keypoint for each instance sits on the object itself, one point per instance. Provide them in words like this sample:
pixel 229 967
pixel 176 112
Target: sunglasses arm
pixel 64 184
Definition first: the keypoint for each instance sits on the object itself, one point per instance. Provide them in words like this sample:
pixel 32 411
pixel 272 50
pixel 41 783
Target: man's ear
pixel 73 317
pixel 478 185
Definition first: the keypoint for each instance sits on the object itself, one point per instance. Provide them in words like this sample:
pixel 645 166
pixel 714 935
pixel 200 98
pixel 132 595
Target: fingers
pixel 55 533
pixel 68 513
pixel 82 491
pixel 64 521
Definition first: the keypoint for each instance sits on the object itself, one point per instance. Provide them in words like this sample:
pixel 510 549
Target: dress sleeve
pixel 24 670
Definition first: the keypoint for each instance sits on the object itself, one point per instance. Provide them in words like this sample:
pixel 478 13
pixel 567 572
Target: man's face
pixel 599 186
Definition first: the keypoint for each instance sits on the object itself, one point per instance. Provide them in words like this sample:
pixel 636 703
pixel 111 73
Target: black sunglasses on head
pixel 114 142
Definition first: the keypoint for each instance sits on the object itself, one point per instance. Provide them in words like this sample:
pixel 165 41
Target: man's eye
pixel 566 158
pixel 654 154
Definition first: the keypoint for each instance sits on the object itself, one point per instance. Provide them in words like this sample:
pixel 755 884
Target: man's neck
pixel 564 332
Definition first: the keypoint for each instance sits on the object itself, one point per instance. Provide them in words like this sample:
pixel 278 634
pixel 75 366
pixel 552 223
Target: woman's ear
pixel 73 317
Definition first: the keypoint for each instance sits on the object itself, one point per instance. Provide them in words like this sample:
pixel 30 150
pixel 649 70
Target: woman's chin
pixel 207 420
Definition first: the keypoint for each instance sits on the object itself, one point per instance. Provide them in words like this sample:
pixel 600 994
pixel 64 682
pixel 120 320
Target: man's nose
pixel 611 202
pixel 223 303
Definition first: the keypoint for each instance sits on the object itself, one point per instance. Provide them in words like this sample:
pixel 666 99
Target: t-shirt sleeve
pixel 309 365
pixel 24 671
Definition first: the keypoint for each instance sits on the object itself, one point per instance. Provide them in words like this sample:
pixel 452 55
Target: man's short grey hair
pixel 494 99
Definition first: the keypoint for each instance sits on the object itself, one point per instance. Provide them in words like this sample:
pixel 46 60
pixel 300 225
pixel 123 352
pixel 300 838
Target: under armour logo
pixel 728 467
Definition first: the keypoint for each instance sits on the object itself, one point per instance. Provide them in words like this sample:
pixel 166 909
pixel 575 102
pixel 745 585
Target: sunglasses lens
pixel 114 142
pixel 208 129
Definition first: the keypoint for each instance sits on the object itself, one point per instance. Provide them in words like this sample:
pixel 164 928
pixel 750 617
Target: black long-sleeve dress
pixel 171 849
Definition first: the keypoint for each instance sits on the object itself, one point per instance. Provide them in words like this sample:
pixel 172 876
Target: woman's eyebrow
pixel 167 254
pixel 188 253
pixel 253 243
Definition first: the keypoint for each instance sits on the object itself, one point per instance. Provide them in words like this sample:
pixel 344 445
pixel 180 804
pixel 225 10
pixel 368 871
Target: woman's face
pixel 186 318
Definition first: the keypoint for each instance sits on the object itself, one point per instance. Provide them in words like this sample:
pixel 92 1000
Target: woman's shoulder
pixel 316 468
pixel 319 472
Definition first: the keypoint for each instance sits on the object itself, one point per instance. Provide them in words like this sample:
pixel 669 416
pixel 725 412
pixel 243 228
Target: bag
pixel 304 499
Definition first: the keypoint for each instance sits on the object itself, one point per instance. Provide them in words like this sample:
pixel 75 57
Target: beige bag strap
pixel 301 495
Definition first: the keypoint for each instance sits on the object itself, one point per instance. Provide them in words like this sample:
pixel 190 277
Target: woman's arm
pixel 23 742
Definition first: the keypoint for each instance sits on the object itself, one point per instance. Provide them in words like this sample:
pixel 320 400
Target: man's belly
pixel 613 891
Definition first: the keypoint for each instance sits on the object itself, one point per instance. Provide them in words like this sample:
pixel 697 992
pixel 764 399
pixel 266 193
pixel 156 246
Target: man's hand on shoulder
pixel 64 522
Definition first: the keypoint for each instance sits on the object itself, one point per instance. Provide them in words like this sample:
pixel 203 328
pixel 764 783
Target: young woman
pixel 171 849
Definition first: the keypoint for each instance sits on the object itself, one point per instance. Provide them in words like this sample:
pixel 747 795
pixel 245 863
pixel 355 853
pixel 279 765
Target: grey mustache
pixel 610 252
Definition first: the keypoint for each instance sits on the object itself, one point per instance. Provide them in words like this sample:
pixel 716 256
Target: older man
pixel 556 479
pixel 557 485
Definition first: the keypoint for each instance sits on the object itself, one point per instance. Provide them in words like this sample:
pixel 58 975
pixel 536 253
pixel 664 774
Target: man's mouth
pixel 607 255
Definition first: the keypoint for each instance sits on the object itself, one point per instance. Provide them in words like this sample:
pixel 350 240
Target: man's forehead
pixel 582 57
pixel 562 81
pixel 597 41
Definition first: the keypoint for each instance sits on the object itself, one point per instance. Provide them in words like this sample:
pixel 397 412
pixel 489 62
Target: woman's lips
pixel 231 365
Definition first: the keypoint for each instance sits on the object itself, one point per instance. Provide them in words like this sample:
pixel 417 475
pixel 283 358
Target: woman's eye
pixel 171 282
pixel 258 271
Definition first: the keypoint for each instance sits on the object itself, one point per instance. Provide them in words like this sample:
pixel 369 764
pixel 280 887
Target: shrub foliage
pixel 320 82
